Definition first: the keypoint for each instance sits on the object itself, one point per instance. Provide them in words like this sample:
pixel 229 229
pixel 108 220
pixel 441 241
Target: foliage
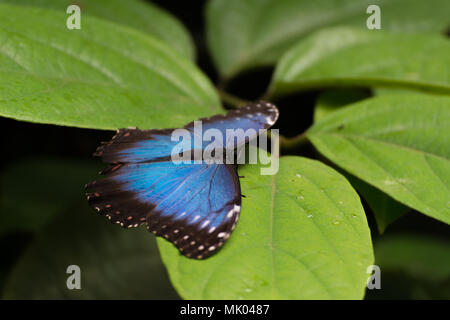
pixel 381 130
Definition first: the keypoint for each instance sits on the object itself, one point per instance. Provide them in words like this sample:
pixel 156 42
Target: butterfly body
pixel 194 205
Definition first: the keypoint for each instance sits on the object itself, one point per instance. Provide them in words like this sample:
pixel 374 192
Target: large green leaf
pixel 397 143
pixel 103 76
pixel 385 209
pixel 248 33
pixel 35 190
pixel 146 17
pixel 350 57
pixel 302 234
pixel 115 263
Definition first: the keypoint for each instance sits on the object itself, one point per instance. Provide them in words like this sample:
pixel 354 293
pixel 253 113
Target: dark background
pixel 23 140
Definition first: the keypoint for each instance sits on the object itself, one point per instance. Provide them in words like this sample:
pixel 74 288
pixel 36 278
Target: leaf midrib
pixel 87 82
pixel 390 143
pixel 272 248
pixel 427 208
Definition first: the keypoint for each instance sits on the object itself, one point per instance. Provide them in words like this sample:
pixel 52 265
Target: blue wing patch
pixel 195 206
pixel 133 145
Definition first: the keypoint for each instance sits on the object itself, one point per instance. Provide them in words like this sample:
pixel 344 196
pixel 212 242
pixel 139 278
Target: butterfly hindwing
pixel 195 206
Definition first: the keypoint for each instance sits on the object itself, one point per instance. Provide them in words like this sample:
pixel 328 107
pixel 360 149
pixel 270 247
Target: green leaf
pixel 332 100
pixel 398 144
pixel 252 33
pixel 115 263
pixel 420 256
pixel 35 190
pixel 146 17
pixel 350 57
pixel 302 234
pixel 390 90
pixel 104 76
pixel 385 209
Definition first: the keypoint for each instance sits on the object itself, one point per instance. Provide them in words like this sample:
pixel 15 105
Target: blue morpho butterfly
pixel 194 205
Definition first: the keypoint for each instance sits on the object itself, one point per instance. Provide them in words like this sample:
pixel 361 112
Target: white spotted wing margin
pixel 194 206
pixel 204 230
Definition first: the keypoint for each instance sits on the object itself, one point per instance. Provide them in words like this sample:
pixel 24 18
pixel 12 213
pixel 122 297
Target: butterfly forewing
pixel 132 145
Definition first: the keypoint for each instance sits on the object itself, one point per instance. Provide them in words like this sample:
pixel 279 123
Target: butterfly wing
pixel 133 145
pixel 195 206
pixel 250 119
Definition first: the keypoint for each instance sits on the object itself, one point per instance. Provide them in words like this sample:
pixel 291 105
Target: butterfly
pixel 193 205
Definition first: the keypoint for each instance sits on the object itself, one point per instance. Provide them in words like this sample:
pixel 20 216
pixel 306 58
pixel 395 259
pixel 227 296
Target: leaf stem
pixel 294 142
pixel 286 144
pixel 232 100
